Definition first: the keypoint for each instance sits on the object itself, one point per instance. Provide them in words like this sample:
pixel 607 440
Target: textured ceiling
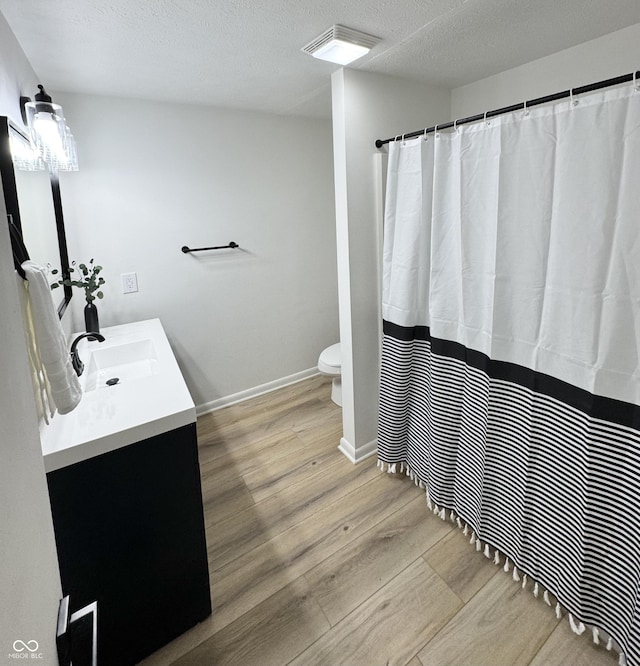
pixel 246 54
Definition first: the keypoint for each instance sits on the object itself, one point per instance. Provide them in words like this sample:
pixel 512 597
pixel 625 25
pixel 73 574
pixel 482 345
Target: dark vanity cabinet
pixel 129 530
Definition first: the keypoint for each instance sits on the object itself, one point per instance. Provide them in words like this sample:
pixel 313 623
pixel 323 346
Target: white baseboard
pixel 363 452
pixel 254 392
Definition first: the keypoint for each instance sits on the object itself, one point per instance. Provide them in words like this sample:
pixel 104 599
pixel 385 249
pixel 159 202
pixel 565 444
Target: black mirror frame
pixel 9 187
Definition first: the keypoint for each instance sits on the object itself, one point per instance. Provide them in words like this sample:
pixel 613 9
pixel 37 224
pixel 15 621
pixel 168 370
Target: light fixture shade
pixel 341 45
pixel 23 156
pixel 70 163
pixel 49 134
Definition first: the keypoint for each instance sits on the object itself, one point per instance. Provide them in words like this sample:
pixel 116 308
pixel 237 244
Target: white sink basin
pixel 149 399
pixel 124 363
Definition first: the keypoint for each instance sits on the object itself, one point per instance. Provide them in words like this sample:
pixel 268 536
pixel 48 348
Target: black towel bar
pixel 187 249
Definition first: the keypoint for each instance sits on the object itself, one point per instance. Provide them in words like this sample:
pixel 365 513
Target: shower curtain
pixel 510 381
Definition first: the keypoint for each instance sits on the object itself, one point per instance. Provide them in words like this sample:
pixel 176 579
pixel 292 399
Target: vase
pixel 91 322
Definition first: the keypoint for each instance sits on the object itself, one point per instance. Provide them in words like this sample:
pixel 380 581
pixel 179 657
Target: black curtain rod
pixel 516 107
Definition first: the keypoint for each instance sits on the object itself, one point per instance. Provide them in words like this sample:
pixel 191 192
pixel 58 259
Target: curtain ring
pixel 526 110
pixel 455 126
pixel 574 102
pixel 486 122
pixel 435 131
pixel 404 143
pixel 426 138
pixel 636 85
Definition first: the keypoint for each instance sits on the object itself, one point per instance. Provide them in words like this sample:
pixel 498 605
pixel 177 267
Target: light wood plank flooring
pixel 316 561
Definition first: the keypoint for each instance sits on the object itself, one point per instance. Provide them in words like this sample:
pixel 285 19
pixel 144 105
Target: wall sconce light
pixel 48 131
pixel 24 157
pixel 340 45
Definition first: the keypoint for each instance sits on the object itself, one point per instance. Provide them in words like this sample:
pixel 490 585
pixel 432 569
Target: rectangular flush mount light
pixel 340 45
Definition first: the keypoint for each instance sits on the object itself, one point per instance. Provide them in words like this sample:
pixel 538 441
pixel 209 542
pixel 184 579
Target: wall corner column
pixel 365 107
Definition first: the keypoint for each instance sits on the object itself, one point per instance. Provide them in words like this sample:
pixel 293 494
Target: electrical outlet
pixel 129 283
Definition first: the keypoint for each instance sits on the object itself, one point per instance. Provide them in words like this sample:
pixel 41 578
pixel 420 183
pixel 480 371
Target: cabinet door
pixel 129 531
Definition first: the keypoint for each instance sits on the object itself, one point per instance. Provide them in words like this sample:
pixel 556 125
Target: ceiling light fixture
pixel 48 131
pixel 340 45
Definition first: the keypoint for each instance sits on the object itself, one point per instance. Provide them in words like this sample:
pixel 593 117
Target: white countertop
pixel 111 417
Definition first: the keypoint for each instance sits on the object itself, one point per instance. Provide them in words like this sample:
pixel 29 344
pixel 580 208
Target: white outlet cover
pixel 129 283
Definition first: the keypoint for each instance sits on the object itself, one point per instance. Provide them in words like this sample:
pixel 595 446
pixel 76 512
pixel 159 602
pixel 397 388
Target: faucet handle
pixel 77 364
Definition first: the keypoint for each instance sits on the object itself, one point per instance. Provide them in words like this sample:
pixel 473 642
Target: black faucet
pixel 77 364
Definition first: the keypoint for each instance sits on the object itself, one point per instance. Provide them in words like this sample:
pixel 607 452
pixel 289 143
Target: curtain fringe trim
pixel 577 626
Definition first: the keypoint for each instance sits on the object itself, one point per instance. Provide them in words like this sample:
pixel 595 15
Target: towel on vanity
pixel 50 340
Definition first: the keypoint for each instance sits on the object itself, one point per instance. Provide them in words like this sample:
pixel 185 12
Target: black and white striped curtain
pixel 510 382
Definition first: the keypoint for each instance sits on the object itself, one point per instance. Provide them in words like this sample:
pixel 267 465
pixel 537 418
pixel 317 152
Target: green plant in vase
pixel 88 278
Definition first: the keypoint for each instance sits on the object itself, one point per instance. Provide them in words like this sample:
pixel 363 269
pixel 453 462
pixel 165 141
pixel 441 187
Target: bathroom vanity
pixel 124 483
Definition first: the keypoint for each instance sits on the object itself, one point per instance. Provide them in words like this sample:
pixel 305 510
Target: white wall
pixel 367 107
pixel 154 177
pixel 16 74
pixel 599 59
pixel 29 578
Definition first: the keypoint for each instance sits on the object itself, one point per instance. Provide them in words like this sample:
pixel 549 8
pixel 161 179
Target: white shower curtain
pixel 510 374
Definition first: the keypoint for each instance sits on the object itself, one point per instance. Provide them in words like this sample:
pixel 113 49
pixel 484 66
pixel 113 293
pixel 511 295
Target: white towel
pixel 50 340
pixel 45 406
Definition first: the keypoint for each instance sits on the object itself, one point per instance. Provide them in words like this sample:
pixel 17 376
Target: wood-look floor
pixel 316 561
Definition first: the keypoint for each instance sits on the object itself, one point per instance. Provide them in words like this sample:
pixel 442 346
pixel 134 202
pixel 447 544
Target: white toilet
pixel 330 364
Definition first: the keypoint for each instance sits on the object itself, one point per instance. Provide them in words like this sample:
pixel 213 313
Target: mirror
pixel 32 199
